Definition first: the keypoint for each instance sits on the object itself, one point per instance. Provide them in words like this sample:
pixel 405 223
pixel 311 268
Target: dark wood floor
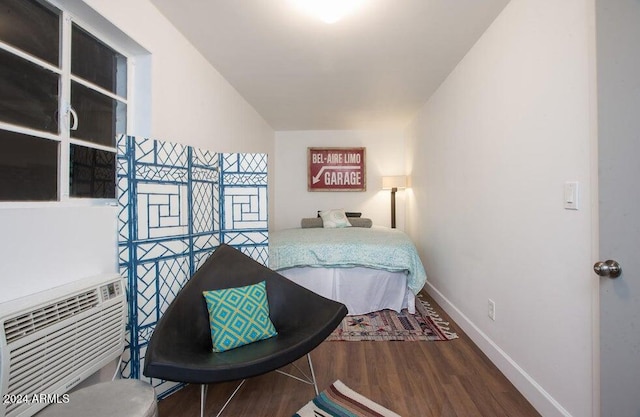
pixel 425 379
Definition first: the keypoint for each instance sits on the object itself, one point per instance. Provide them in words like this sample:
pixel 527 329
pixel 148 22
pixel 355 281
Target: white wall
pixel 489 154
pixel 384 156
pixel 45 245
pixel 191 102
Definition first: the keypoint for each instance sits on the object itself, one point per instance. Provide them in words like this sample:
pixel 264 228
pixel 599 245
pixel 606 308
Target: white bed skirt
pixel 362 290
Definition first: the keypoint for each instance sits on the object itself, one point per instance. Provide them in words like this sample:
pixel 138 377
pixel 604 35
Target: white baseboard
pixel 541 400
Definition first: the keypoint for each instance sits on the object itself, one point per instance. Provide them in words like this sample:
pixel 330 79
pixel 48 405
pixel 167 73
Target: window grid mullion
pixel 28 131
pixel 28 57
pixel 65 105
pixel 92 145
pixel 98 89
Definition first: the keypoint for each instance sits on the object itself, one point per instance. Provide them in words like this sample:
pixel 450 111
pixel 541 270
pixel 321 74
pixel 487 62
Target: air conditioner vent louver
pixel 51 341
pixel 35 320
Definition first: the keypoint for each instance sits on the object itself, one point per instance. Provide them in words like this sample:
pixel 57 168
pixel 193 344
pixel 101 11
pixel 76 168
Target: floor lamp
pixel 394 183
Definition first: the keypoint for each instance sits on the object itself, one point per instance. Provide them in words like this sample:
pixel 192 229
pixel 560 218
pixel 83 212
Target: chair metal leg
pixel 311 380
pixel 203 398
pixel 313 374
pixel 230 397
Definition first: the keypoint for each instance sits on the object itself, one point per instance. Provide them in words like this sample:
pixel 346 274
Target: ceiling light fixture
pixel 329 11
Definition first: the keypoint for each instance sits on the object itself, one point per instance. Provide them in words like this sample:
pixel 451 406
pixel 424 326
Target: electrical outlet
pixel 492 309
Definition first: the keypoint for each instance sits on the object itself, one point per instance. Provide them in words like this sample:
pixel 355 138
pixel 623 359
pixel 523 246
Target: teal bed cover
pixel 377 247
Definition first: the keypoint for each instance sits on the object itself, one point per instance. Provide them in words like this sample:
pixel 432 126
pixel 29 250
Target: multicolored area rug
pixel 339 401
pixel 388 325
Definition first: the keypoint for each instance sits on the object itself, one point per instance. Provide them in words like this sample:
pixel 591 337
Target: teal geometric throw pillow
pixel 238 316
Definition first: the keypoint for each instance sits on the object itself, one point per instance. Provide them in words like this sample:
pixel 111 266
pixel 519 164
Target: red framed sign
pixel 336 169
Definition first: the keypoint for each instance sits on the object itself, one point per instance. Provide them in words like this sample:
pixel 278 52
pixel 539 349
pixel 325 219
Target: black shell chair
pixel 180 348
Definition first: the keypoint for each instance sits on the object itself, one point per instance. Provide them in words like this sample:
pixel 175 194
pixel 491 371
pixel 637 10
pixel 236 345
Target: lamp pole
pixel 393 207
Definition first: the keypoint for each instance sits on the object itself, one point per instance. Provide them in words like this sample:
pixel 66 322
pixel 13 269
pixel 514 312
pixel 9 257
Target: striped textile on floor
pixel 341 401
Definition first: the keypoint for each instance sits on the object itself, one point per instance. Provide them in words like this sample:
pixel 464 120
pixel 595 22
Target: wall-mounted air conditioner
pixel 53 340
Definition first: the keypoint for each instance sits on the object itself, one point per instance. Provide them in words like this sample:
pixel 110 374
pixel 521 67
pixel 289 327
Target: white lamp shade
pixel 395 181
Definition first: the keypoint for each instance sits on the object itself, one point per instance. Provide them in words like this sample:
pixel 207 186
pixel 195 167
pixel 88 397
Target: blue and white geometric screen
pixel 176 205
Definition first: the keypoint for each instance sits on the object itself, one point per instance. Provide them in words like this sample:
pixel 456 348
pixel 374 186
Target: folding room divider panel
pixel 176 205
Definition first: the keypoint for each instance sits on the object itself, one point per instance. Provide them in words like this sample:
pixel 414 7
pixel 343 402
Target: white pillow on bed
pixel 334 219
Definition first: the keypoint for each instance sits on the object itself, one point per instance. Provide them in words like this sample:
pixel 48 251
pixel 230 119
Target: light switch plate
pixel 571 194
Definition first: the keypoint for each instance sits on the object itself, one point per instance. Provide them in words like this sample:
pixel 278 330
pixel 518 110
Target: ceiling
pixel 373 69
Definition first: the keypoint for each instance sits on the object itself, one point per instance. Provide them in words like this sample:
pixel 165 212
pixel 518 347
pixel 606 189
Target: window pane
pixel 32 27
pixel 92 173
pixel 100 118
pixel 28 94
pixel 97 63
pixel 28 168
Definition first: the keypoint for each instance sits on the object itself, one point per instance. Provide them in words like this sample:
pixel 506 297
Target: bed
pixel 366 268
